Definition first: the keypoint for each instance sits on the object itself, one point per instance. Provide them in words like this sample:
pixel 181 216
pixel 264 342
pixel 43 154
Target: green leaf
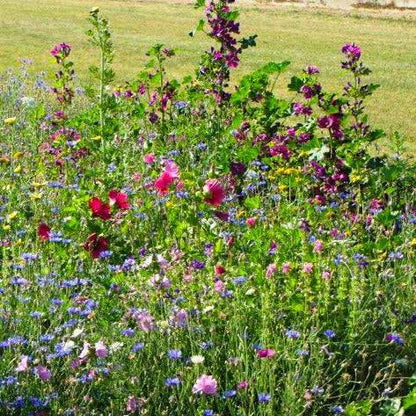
pixel 295 84
pixel 410 400
pixel 253 202
pixel 198 28
pixel 199 3
pixel 275 67
pixel 359 408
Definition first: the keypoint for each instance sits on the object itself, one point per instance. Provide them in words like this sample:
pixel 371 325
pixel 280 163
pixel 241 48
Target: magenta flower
pixel 149 158
pixel 163 183
pixel 352 51
pixel 205 385
pixel 266 353
pixel 119 199
pixel 214 192
pixel 61 51
pixel 251 222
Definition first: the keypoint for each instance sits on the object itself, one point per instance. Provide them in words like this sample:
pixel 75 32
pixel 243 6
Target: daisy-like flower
pixel 213 192
pixel 197 359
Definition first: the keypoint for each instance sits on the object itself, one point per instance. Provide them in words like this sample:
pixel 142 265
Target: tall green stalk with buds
pixel 100 36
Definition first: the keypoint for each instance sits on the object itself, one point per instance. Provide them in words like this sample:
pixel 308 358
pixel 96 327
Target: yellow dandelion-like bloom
pixel 10 121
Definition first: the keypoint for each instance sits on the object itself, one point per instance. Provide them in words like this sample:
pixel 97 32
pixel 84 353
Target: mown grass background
pixel 29 28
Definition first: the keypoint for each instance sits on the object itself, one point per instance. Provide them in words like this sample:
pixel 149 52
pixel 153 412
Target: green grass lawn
pixel 30 28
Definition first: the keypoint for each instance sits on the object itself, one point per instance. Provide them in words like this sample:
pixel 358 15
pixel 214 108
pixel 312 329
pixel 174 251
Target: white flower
pixel 197 359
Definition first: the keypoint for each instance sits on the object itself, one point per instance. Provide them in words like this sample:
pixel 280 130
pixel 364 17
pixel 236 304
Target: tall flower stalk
pixel 100 36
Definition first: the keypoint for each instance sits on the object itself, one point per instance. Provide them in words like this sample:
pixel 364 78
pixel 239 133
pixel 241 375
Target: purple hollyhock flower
pixel 312 69
pixel 352 51
pixel 325 122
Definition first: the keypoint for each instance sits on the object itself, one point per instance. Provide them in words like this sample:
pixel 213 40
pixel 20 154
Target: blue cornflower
pixel 172 382
pixel 129 332
pixel 291 333
pixel 329 333
pixel 264 397
pixel 229 394
pixel 175 354
pixel 137 347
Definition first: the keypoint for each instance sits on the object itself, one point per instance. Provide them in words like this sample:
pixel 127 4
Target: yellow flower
pixel 4 159
pixel 36 195
pixel 18 169
pixel 12 216
pixel 18 155
pixel 240 214
pixel 282 188
pixel 169 204
pixel 96 138
pixel 6 227
pixel 413 242
pixel 10 121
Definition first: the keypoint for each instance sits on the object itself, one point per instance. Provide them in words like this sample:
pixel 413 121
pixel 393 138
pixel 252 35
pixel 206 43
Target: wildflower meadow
pixel 203 246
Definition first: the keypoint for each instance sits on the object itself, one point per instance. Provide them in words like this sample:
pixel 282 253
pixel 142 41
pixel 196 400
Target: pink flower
pixel 205 385
pixel 172 169
pixel 214 192
pixel 326 275
pixel 318 246
pixel 242 385
pixel 251 222
pixel 43 373
pixel 286 267
pixel 219 286
pixel 271 270
pixel 101 350
pixel 163 183
pixel 23 365
pixel 119 199
pixel 149 158
pixel 266 353
pixel 307 268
